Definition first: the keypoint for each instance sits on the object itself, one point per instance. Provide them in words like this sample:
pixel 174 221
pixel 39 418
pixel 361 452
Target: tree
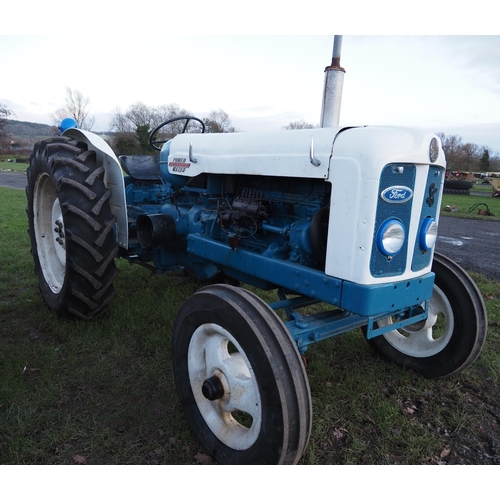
pixel 451 146
pixel 134 125
pixel 218 122
pixel 167 112
pixel 494 163
pixel 76 106
pixel 143 132
pixel 298 125
pixel 5 112
pixel 139 114
pixel 469 157
pixel 484 162
pixel 125 143
pixel 466 157
pixel 120 122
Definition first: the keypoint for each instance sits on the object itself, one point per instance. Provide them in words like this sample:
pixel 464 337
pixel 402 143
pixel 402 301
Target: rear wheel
pixel 240 378
pixel 71 228
pixel 452 336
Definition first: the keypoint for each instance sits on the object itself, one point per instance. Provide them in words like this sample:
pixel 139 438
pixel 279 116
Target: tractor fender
pixel 113 178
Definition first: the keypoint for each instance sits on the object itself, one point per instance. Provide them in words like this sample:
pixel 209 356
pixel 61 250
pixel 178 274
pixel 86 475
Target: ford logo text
pixel 397 194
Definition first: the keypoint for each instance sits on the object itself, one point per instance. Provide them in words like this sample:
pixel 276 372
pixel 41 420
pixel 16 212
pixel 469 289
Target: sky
pixel 446 83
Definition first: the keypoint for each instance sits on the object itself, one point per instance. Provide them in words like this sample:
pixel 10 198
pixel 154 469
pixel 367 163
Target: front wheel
pixel 452 336
pixel 240 378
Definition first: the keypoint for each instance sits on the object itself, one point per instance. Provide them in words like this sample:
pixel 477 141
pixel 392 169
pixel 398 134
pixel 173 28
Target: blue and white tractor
pixel 343 216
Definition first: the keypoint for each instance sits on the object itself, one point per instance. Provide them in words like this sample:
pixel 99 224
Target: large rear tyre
pixel 71 228
pixel 452 336
pixel 240 378
pixel 458 185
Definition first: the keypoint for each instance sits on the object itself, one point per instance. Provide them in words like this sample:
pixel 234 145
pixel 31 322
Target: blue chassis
pixel 357 305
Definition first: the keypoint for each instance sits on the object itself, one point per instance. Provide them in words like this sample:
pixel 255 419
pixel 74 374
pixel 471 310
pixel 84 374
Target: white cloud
pixel 444 83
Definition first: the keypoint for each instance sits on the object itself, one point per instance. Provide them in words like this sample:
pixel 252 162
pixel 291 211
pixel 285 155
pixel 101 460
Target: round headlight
pixel 428 234
pixel 390 237
pixel 433 150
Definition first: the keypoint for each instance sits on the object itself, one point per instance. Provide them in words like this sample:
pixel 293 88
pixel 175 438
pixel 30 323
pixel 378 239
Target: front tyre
pixel 71 228
pixel 240 378
pixel 452 336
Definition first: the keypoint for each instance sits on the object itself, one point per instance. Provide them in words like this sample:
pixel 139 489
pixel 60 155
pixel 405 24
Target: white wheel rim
pixel 209 355
pixel 49 233
pixel 429 337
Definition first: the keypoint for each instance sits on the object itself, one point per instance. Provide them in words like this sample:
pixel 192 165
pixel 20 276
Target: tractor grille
pixel 394 174
pixel 430 207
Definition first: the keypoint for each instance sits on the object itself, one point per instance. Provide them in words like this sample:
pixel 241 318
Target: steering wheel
pixel 154 143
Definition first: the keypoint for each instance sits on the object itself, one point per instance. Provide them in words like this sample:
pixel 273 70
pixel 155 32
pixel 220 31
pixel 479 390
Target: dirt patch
pixel 482 444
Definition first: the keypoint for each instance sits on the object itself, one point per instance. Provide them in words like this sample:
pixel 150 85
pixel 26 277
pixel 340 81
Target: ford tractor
pixel 344 217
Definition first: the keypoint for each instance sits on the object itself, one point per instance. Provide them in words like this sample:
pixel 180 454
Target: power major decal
pixel 179 164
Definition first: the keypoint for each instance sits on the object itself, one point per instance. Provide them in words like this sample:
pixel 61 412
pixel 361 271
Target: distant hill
pixel 28 131
pixel 33 132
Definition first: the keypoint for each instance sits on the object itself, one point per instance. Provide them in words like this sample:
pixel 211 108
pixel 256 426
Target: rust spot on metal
pixel 335 65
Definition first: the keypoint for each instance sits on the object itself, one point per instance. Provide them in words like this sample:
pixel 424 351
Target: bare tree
pixel 301 124
pixel 218 121
pixel 139 114
pixel 120 122
pixel 494 163
pixel 5 112
pixel 452 145
pixel 76 106
pixel 167 112
pixel 134 125
pixel 462 157
pixel 470 157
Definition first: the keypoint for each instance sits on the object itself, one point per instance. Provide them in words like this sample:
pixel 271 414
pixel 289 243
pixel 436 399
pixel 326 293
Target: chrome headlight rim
pixel 433 150
pixel 391 237
pixel 428 234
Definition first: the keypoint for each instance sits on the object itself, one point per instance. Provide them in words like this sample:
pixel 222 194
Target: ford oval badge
pixel 397 194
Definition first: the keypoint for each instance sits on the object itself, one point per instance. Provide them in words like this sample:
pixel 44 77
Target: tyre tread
pixel 88 225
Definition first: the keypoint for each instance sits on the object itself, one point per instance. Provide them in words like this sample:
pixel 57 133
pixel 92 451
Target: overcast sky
pixel 448 84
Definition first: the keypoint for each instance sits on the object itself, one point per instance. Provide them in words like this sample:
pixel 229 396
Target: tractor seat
pixel 142 168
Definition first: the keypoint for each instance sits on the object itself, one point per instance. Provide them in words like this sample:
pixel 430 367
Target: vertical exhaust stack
pixel 332 90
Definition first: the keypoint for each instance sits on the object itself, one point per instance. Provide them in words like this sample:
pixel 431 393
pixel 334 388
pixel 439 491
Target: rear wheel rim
pixel 49 233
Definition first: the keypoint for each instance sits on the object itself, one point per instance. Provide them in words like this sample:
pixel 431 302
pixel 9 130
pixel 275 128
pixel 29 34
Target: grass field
pixel 13 167
pixel 102 392
pixel 468 206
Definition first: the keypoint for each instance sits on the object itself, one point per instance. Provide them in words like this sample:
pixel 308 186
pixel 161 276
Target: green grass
pixel 481 188
pixel 104 390
pixel 463 204
pixel 13 167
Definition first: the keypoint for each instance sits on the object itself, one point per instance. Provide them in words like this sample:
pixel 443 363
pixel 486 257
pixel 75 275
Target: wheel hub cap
pixel 224 386
pixel 212 388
